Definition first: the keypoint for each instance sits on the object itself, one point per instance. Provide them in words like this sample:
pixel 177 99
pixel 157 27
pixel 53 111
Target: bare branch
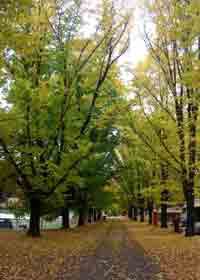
pixel 155 129
pixel 145 140
pixel 19 171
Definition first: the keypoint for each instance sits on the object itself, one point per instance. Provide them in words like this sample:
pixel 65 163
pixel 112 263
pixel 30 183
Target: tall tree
pixel 174 88
pixel 52 83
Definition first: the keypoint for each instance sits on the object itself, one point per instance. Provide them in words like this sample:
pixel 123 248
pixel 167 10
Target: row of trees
pixel 164 111
pixel 59 84
pixel 69 128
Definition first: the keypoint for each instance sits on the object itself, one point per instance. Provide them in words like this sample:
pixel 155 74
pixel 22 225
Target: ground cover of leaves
pixel 24 258
pixel 118 259
pixel 178 257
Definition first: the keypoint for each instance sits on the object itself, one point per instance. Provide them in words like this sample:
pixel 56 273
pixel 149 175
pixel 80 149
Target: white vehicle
pixel 9 221
pixel 6 221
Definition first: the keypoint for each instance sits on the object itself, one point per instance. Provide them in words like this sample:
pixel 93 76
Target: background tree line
pixel 164 110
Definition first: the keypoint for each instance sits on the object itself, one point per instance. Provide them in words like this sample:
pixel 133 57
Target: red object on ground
pixel 155 217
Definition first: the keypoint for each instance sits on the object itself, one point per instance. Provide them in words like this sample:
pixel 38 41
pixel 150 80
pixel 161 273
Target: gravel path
pixel 116 258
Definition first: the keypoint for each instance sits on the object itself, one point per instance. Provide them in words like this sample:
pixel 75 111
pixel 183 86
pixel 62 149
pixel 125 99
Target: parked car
pixel 9 221
pixel 197 217
pixel 6 224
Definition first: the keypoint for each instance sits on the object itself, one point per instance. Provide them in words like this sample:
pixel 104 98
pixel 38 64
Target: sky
pixel 137 49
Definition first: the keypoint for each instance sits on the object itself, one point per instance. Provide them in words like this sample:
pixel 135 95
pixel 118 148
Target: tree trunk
pixel 81 219
pixel 130 212
pixel 135 213
pixel 190 214
pixel 90 215
pixel 163 218
pixel 150 213
pixel 141 214
pixel 99 214
pixel 192 147
pixel 164 200
pixel 95 215
pixel 34 225
pixel 65 218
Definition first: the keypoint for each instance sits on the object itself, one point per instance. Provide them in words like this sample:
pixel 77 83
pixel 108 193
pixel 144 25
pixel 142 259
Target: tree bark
pixel 190 214
pixel 192 148
pixel 150 210
pixel 150 213
pixel 99 215
pixel 90 215
pixel 163 218
pixel 142 214
pixel 95 215
pixel 130 212
pixel 34 225
pixel 141 202
pixel 164 199
pixel 135 213
pixel 81 219
pixel 65 218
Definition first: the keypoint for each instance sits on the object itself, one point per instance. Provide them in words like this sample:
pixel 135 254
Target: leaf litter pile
pixel 23 258
pixel 178 257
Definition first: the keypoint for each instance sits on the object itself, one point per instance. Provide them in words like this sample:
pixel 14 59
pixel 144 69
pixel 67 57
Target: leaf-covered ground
pixel 105 251
pixel 179 257
pixel 96 252
pixel 116 258
pixel 23 258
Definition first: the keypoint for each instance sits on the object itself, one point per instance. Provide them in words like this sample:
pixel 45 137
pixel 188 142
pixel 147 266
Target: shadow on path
pixel 116 258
